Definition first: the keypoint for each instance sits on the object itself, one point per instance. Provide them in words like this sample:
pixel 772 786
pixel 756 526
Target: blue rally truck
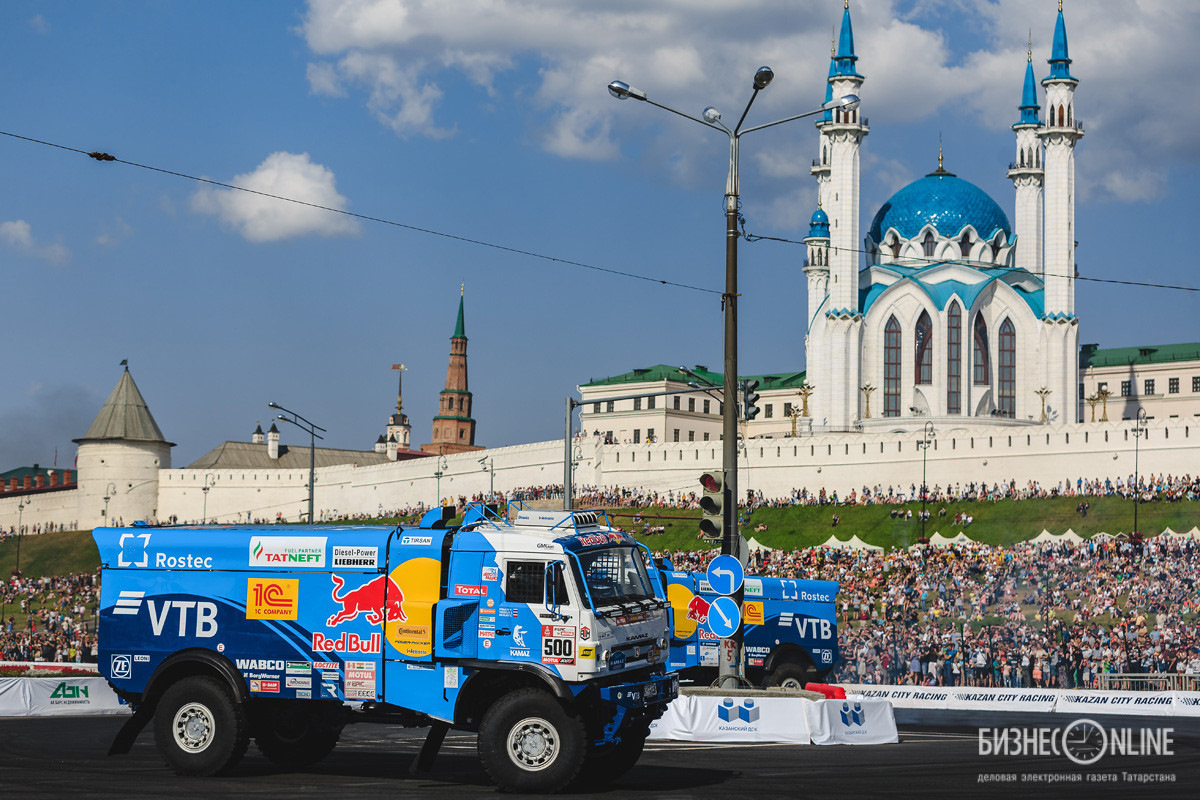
pixel 544 635
pixel 789 628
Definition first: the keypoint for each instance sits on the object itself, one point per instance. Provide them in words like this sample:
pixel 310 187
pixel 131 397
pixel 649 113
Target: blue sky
pixel 490 121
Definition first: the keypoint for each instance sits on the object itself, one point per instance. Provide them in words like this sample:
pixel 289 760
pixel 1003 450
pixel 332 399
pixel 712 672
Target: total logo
pixel 203 622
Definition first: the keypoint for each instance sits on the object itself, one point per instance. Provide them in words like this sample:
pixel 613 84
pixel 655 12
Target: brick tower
pixel 453 427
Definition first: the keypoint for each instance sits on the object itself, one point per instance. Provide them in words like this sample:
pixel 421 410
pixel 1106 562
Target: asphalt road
pixel 65 757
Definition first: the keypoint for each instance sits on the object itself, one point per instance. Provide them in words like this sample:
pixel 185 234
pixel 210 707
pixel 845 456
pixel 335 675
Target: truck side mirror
pixel 554 585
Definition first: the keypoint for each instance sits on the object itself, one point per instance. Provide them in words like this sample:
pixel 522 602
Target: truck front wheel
pixel 199 728
pixel 529 743
pixel 790 675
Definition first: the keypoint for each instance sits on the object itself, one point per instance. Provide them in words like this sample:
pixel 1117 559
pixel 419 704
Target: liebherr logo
pixel 204 623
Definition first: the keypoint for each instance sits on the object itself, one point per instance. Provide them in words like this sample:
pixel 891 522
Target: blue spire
pixel 1029 104
pixel 828 115
pixel 845 55
pixel 1060 62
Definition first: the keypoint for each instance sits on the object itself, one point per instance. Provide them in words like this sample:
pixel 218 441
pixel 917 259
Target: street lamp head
pixel 847 102
pixel 274 405
pixel 712 116
pixel 622 90
pixel 763 78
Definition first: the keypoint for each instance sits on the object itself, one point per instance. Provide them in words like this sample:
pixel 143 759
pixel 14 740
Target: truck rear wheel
pixel 790 675
pixel 296 733
pixel 529 743
pixel 199 728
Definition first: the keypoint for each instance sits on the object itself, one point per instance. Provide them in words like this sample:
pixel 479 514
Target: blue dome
pixel 819 225
pixel 945 201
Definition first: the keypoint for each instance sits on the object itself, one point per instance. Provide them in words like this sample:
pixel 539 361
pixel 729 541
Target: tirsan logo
pixel 379 598
pixel 807 626
pixel 729 711
pixel 287 551
pixel 204 623
pixel 418 540
pixel 272 598
pixel 133 550
pixel 65 691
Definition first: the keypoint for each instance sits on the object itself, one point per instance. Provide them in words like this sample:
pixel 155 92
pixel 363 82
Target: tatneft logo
pixel 730 711
pixel 1084 741
pixel 287 551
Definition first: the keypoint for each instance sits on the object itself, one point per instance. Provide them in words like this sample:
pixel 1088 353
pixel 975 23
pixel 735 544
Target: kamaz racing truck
pixel 544 635
pixel 789 628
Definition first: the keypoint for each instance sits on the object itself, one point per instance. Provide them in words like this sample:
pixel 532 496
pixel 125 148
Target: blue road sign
pixel 723 617
pixel 725 574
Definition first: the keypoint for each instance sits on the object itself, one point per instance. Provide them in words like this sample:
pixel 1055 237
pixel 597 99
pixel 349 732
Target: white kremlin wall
pixel 836 462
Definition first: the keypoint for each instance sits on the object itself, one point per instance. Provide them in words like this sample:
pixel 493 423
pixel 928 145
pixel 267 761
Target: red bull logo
pixel 697 610
pixel 346 643
pixel 376 599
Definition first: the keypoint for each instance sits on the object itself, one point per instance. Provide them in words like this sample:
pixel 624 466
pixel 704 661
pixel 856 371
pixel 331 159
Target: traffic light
pixel 712 506
pixel 749 399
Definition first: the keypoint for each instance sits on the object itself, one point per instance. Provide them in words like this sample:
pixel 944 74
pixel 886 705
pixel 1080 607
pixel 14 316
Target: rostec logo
pixel 729 711
pixel 121 667
pixel 379 598
pixel 133 550
pixel 272 598
pixel 853 716
pixel 287 551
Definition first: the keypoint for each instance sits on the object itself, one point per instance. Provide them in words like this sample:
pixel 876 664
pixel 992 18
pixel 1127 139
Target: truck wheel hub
pixel 533 744
pixel 193 727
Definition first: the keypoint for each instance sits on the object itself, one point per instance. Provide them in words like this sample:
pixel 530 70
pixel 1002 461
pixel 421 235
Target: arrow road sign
pixel 725 574
pixel 723 617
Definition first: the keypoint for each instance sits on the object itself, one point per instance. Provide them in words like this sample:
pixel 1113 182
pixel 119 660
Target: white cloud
pixel 119 231
pixel 266 219
pixel 922 59
pixel 18 234
pixel 39 24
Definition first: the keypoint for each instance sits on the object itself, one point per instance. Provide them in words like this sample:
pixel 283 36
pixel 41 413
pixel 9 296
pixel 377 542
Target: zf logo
pixel 122 667
pixel 204 623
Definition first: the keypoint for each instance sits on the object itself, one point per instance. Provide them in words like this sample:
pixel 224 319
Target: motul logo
pixel 347 643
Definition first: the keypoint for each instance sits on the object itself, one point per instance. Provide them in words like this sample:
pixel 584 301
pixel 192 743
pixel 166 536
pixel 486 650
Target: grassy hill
pixel 1003 522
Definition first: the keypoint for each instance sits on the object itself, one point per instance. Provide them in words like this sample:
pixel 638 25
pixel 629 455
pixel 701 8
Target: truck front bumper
pixel 657 691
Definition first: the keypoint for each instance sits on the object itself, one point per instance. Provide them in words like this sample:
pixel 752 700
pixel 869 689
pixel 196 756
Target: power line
pixel 980 265
pixel 366 217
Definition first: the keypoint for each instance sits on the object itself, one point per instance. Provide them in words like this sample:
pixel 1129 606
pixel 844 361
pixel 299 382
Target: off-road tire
pixel 199 728
pixel 528 742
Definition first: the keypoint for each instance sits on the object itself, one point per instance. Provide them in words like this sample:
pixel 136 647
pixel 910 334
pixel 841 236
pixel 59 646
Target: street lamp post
pixel 109 492
pixel 20 520
pixel 1138 431
pixel 441 470
pixel 731 655
pixel 489 466
pixel 924 445
pixel 304 425
pixel 207 485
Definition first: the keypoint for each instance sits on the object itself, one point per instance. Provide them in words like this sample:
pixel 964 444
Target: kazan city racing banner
pixel 49 697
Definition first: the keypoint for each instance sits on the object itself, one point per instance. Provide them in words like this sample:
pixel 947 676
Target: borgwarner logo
pixel 1084 741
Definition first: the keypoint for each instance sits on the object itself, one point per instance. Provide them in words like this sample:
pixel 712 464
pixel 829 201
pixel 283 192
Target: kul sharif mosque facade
pixel 959 314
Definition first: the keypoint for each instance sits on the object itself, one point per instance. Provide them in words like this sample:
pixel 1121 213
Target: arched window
pixel 953 359
pixel 996 248
pixel 1037 157
pixel 964 245
pixel 891 368
pixel 1061 122
pixel 1007 376
pixel 1069 111
pixel 929 244
pixel 895 246
pixel 923 347
pixel 824 155
pixel 1022 161
pixel 983 373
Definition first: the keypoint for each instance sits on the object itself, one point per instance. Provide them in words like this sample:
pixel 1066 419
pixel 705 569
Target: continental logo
pixel 273 598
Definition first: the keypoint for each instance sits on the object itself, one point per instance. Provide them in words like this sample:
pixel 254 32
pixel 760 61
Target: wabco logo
pixel 807 626
pixel 204 623
pixel 287 551
pixel 729 711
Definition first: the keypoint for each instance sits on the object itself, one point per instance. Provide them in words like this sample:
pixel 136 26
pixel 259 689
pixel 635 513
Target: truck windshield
pixel 615 574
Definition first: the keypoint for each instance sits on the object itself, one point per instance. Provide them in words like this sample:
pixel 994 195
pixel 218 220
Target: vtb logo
pixel 203 622
pixel 273 598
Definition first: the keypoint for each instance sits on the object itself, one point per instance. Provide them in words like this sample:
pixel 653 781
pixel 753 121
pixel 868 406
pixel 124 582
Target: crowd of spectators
pixel 57 618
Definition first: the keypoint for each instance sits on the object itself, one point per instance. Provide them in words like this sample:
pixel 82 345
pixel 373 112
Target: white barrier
pixel 48 697
pixel 1059 701
pixel 790 720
